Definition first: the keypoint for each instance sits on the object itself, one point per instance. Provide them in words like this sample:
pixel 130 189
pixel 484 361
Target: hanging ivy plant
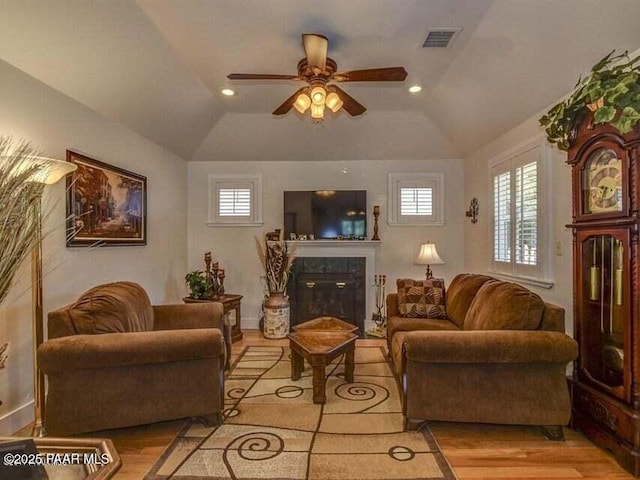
pixel 611 91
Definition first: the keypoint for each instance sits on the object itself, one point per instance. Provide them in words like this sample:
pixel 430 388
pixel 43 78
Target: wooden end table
pixel 319 342
pixel 230 303
pixel 231 333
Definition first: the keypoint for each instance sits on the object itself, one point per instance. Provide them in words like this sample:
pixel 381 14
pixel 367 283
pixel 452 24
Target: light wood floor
pixel 474 451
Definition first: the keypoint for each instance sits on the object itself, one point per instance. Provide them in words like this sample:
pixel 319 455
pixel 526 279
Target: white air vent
pixel 440 37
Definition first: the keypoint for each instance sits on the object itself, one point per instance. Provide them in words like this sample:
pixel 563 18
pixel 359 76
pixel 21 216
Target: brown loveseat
pixel 113 360
pixel 500 356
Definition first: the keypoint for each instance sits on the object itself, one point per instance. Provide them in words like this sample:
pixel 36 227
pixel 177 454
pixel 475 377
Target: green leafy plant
pixel 611 91
pixel 199 285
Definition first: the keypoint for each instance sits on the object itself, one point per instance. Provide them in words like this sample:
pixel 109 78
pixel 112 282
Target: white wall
pixel 478 249
pixel 235 249
pixel 54 122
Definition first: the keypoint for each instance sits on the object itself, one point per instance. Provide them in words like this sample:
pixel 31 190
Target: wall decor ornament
pixel 611 90
pixel 106 205
pixel 474 208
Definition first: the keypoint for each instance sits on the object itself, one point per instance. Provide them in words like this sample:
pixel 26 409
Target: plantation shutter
pixel 234 202
pixel 416 201
pixel 526 241
pixel 502 217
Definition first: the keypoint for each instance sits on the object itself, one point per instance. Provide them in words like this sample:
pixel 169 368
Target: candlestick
pixel 376 214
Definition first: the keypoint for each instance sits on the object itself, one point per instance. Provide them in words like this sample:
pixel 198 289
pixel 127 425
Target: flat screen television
pixel 326 214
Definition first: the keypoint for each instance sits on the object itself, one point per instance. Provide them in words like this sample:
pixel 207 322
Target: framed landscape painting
pixel 106 205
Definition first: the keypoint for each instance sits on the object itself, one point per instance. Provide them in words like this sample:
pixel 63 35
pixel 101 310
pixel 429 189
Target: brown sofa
pixel 113 360
pixel 500 356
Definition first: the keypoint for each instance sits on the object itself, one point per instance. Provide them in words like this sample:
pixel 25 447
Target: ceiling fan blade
pixel 351 105
pixel 260 76
pixel 288 103
pixel 315 48
pixel 388 74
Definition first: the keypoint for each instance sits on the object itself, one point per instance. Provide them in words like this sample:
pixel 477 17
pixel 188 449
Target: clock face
pixel 604 185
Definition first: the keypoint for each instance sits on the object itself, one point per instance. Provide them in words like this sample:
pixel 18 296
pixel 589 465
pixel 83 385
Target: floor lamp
pixel 50 171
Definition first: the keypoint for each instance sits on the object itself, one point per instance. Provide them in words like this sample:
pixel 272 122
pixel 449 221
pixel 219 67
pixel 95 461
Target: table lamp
pixel 428 256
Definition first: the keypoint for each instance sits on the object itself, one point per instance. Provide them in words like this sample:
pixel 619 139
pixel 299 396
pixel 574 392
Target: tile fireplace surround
pixel 345 248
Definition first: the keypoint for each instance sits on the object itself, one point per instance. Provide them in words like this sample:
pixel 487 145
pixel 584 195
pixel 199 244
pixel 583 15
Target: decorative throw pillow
pixel 421 298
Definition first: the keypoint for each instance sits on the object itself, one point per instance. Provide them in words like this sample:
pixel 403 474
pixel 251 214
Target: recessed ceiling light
pixel 228 92
pixel 415 88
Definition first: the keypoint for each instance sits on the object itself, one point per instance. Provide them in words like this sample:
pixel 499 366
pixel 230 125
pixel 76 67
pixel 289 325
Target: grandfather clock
pixel 605 386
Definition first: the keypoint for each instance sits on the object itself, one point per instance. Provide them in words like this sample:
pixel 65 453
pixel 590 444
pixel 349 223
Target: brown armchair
pixel 113 360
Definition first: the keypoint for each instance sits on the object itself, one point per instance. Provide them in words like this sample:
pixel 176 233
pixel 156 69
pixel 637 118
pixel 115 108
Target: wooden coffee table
pixel 320 341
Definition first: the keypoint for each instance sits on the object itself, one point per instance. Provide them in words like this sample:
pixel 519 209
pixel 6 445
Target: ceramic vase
pixel 276 315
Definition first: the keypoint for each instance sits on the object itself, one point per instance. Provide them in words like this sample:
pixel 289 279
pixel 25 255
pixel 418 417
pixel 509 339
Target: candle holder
pixel 376 214
pixel 215 277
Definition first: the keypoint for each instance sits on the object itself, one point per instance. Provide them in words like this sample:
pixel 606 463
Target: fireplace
pixel 328 286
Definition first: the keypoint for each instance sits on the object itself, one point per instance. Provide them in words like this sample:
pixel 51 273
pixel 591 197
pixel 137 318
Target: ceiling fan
pixel 318 70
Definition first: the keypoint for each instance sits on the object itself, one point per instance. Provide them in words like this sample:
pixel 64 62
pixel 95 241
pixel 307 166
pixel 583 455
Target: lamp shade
pixel 317 111
pixel 302 103
pixel 333 102
pixel 50 170
pixel 428 255
pixel 318 94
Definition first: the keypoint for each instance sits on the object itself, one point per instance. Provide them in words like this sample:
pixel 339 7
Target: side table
pixel 232 333
pixel 230 303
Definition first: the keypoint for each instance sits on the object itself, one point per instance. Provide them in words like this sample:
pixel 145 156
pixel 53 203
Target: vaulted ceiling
pixel 157 66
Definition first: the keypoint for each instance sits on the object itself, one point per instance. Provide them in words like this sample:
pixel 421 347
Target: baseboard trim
pixel 16 419
pixel 250 323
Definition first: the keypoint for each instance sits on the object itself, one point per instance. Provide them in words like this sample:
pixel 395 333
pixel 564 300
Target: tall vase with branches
pixel 19 211
pixel 276 258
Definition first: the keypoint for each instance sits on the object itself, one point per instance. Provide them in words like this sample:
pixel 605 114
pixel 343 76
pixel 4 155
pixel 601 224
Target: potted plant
pixel 199 286
pixel 276 259
pixel 611 91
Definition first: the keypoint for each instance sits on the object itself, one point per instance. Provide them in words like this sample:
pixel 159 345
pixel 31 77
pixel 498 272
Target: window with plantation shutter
pixel 518 234
pixel 235 200
pixel 416 199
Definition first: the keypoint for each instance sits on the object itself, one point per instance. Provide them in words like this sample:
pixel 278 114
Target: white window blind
pixel 234 202
pixel 416 201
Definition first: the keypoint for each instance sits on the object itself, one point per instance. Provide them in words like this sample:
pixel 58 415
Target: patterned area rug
pixel 272 429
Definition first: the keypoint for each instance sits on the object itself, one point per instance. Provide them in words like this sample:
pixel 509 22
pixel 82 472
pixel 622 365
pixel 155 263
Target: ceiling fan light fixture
pixel 415 89
pixel 317 111
pixel 228 92
pixel 318 95
pixel 302 103
pixel 334 102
